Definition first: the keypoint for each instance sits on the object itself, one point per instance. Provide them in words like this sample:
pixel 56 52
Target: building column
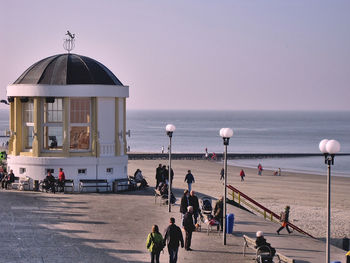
pixel 17 126
pixel 36 146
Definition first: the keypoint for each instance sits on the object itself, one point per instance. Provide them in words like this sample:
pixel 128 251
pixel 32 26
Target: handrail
pixel 266 210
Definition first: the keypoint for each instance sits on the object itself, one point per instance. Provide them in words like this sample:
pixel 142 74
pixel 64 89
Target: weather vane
pixel 68 43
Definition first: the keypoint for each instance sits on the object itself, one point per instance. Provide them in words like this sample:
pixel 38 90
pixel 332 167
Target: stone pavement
pixel 43 227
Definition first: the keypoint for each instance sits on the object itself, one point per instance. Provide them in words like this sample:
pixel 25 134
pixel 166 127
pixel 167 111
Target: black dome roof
pixel 68 69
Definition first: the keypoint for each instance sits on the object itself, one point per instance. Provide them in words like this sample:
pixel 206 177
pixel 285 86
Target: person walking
pixel 190 179
pixel 284 220
pixel 189 227
pixel 159 177
pixel 219 211
pixel 173 238
pixel 193 201
pixel 242 175
pixel 260 169
pixel 185 202
pixel 154 244
pixel 222 174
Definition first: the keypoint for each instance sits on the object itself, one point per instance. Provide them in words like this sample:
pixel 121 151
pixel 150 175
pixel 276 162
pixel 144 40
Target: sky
pixel 186 54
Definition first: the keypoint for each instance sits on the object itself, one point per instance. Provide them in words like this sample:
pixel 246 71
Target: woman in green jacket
pixel 154 244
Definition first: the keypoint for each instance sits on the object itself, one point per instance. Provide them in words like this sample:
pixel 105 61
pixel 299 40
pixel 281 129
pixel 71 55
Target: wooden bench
pixel 121 185
pixel 93 183
pixel 250 243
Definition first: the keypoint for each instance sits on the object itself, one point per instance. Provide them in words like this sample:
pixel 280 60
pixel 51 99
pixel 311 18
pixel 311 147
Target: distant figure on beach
pixel 242 175
pixel 189 227
pixel 260 169
pixel 159 176
pixel 206 153
pixel 277 173
pixel 190 179
pixel 222 174
pixel 284 220
pixel 163 149
pixel 172 237
pixel 261 242
pixel 213 157
pixel 154 244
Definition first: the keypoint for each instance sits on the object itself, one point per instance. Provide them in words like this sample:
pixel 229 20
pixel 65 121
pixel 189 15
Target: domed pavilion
pixel 68 111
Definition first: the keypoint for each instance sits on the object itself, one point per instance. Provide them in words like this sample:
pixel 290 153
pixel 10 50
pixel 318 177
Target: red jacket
pixel 61 176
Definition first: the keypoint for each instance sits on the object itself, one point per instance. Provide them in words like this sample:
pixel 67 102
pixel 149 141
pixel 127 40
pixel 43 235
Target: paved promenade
pixel 41 227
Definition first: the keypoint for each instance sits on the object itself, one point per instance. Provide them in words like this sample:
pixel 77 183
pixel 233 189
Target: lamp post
pixel 226 134
pixel 329 148
pixel 170 128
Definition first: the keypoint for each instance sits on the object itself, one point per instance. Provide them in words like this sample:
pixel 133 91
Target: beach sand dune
pixel 305 193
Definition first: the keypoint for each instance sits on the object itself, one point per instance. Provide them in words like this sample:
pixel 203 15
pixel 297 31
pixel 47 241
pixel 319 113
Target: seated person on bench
pixel 49 182
pixel 140 179
pixel 8 179
pixel 261 242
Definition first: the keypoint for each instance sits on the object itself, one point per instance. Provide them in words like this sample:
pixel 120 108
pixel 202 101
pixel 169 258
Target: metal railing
pixel 254 205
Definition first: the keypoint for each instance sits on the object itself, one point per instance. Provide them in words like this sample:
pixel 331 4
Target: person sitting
pixel 61 180
pixel 7 180
pixel 50 182
pixel 140 179
pixel 261 243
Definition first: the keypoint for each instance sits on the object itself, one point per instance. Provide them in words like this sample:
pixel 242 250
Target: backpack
pixel 156 246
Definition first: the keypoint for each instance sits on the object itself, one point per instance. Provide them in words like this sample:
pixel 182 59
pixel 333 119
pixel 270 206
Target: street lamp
pixel 170 128
pixel 329 148
pixel 226 134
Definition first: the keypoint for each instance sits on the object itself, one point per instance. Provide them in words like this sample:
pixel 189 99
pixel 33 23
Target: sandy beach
pixel 305 193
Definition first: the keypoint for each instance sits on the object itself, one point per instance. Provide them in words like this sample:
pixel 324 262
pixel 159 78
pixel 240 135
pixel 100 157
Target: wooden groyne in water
pixel 219 156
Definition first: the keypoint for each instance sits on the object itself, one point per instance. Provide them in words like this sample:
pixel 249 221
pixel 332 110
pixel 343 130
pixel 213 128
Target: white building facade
pixel 68 111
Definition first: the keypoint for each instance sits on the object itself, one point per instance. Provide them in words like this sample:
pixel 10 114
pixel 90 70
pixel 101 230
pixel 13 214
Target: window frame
pixel 48 124
pixel 26 124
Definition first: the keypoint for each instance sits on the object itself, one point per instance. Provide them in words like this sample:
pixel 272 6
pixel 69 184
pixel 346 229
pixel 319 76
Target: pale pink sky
pixel 236 55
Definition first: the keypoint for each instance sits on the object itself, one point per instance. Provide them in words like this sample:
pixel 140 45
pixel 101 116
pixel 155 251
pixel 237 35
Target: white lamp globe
pixel 333 146
pixel 322 145
pixel 226 132
pixel 170 128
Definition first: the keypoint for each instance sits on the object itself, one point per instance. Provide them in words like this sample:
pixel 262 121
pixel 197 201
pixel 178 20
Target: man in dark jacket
pixel 193 200
pixel 185 202
pixel 159 176
pixel 172 237
pixel 219 211
pixel 189 179
pixel 189 227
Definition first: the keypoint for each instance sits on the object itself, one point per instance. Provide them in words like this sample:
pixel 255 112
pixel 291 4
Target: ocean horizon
pixel 254 132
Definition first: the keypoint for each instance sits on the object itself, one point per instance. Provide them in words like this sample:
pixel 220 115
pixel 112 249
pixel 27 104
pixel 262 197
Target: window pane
pixel 80 110
pixel 53 138
pixel 79 138
pixel 28 136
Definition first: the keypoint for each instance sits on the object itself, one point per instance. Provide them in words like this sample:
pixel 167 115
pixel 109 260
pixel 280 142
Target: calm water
pixel 254 132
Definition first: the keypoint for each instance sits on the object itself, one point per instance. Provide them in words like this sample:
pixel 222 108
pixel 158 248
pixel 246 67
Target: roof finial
pixel 68 43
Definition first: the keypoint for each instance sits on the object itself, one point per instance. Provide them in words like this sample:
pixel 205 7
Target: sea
pixel 254 132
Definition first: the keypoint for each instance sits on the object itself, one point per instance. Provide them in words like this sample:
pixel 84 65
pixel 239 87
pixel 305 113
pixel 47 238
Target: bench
pixel 250 243
pixel 122 185
pixel 69 184
pixel 93 183
pixel 20 183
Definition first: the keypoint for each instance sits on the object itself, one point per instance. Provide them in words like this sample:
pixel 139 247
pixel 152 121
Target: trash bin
pixel 36 185
pixel 230 218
